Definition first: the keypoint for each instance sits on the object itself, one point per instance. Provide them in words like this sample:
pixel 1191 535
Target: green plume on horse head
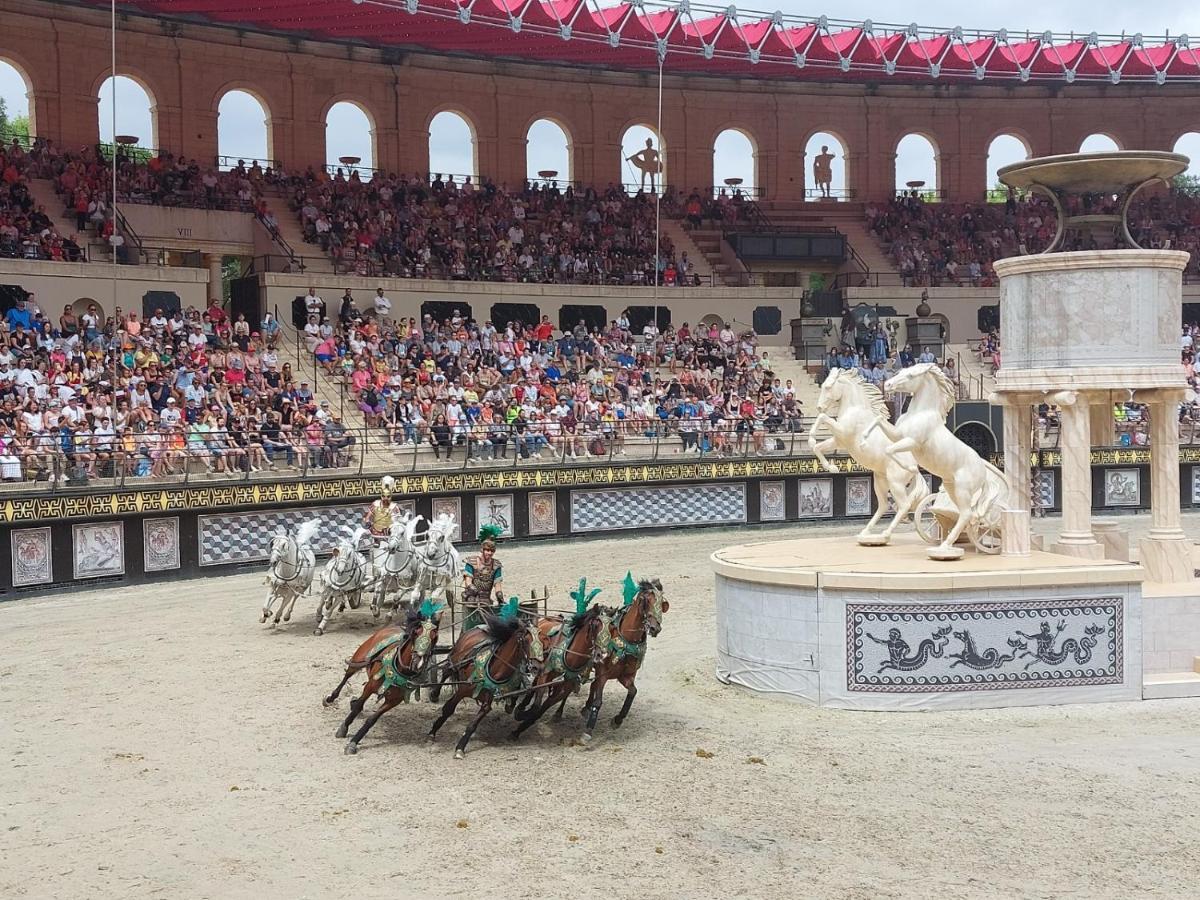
pixel 582 597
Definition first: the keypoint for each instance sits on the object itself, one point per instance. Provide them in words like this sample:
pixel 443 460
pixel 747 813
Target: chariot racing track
pixel 159 742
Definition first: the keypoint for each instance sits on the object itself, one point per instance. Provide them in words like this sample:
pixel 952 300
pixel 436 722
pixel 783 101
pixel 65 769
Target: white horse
pixel 343 579
pixel 395 565
pixel 439 565
pixel 849 406
pixel 976 487
pixel 290 570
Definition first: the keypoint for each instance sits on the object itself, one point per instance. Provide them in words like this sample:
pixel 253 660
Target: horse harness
pixel 481 674
pixel 556 662
pixel 623 648
pixel 298 566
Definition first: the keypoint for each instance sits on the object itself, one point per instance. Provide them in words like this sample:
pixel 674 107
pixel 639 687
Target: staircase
pixel 315 260
pixel 779 361
pixel 848 218
pixel 726 268
pixel 43 194
pixel 683 243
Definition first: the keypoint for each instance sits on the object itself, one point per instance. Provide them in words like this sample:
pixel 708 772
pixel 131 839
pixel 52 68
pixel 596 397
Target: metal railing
pixel 925 195
pixel 229 163
pixel 833 194
pixel 140 458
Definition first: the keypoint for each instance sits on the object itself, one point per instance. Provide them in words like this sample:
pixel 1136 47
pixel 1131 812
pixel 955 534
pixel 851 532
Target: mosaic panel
pixel 496 510
pixel 246 537
pixel 858 496
pixel 908 648
pixel 160 544
pixel 771 506
pixel 98 549
pixel 543 512
pixel 1122 487
pixel 32 558
pixel 611 510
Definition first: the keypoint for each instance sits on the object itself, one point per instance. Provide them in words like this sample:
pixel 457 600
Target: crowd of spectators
pixel 488 390
pixel 935 244
pixel 82 396
pixel 410 227
pixel 27 230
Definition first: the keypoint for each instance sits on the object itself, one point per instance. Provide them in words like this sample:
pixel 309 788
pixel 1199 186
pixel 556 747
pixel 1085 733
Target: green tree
pixel 1187 184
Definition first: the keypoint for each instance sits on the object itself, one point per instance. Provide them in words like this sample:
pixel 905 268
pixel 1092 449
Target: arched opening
pixel 349 136
pixel 548 149
pixel 1098 143
pixel 1004 150
pixel 735 163
pixel 452 149
pixel 86 304
pixel 16 104
pixel 643 160
pixel 917 166
pixel 135 111
pixel 826 156
pixel 978 437
pixel 1189 145
pixel 243 132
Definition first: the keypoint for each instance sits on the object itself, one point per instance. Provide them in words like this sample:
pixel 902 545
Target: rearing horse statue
pixel 849 407
pixel 972 483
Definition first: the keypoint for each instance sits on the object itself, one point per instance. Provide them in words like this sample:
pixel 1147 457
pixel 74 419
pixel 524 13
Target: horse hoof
pixel 617 721
pixel 514 735
pixel 459 754
pixel 341 732
pixel 264 617
pixel 328 701
pixel 288 617
pixel 318 631
pixel 585 738
pixel 351 749
pixel 430 738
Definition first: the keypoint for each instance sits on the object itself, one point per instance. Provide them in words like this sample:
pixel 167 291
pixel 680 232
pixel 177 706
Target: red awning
pixel 691 39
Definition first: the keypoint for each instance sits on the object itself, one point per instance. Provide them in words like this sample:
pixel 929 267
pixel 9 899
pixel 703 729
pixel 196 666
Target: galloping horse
pixel 439 567
pixel 396 658
pixel 395 564
pixel 488 663
pixel 344 578
pixel 624 647
pixel 971 482
pixel 849 406
pixel 572 648
pixel 290 570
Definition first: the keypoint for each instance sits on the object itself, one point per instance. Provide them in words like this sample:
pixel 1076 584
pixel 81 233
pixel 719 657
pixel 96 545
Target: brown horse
pixel 488 663
pixel 571 650
pixel 624 648
pixel 395 658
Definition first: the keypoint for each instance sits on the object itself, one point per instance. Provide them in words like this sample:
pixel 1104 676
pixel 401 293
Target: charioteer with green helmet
pixel 483 578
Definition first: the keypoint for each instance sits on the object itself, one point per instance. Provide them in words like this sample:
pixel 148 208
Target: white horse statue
pixel 343 579
pixel 976 488
pixel 439 565
pixel 395 565
pixel 849 406
pixel 290 570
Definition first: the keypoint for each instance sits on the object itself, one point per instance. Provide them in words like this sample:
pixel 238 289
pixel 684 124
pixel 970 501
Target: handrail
pixel 125 228
pixel 228 163
pixel 278 239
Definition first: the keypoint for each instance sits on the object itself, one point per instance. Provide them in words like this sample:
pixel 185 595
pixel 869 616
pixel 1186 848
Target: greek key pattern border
pixel 1020 609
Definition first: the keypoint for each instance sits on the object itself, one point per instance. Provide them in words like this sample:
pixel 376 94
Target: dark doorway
pixel 9 295
pixel 767 320
pixel 527 314
pixel 441 310
pixel 977 437
pixel 592 316
pixel 167 301
pixel 640 315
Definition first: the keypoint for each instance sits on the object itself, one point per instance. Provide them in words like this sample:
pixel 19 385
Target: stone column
pixel 1018 445
pixel 1166 550
pixel 1076 538
pixel 213 263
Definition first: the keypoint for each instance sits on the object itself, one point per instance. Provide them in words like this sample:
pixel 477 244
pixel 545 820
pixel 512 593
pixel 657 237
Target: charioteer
pixel 483 578
pixel 383 512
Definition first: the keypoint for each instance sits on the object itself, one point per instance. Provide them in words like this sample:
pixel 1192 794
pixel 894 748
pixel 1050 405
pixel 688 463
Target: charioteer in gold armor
pixel 483 579
pixel 383 512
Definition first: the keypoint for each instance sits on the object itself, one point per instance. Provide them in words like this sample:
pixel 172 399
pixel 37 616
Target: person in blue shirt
pixel 19 315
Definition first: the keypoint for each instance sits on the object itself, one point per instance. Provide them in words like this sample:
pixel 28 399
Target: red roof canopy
pixel 706 40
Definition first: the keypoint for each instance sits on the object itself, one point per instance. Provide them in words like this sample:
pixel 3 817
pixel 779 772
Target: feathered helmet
pixel 488 535
pixel 386 486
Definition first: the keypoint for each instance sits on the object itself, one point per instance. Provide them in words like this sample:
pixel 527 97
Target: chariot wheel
pixel 928 525
pixel 985 536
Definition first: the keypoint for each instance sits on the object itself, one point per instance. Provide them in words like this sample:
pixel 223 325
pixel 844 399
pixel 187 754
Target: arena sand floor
pixel 160 743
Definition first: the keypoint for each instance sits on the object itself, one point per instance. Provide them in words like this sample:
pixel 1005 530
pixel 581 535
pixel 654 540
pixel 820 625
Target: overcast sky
pixel 242 132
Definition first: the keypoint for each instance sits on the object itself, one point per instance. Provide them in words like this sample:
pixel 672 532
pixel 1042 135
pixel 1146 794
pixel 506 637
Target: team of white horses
pixel 404 568
pixel 971 500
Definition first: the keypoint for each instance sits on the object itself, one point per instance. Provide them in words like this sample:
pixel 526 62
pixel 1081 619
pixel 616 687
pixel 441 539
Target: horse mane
pixel 945 385
pixel 874 394
pixel 581 619
pixel 306 532
pixel 498 629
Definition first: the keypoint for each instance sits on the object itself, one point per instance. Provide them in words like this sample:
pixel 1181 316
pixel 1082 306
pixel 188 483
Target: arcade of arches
pixel 503 109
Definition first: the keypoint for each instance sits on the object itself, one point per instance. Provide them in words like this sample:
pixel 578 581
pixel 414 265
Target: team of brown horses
pixel 528 664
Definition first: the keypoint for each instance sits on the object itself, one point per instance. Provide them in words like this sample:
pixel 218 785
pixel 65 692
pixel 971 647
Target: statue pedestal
pixel 1168 560
pixel 832 624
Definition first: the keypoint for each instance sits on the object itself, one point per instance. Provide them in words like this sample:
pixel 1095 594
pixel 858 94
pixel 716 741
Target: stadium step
pixel 43 194
pixel 701 265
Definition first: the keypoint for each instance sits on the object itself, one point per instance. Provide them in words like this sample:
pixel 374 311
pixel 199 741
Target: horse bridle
pixel 298 565
pixel 356 567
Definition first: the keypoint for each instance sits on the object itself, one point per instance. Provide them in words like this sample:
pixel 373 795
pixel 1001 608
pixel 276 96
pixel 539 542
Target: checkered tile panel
pixel 611 510
pixel 246 537
pixel 1043 489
